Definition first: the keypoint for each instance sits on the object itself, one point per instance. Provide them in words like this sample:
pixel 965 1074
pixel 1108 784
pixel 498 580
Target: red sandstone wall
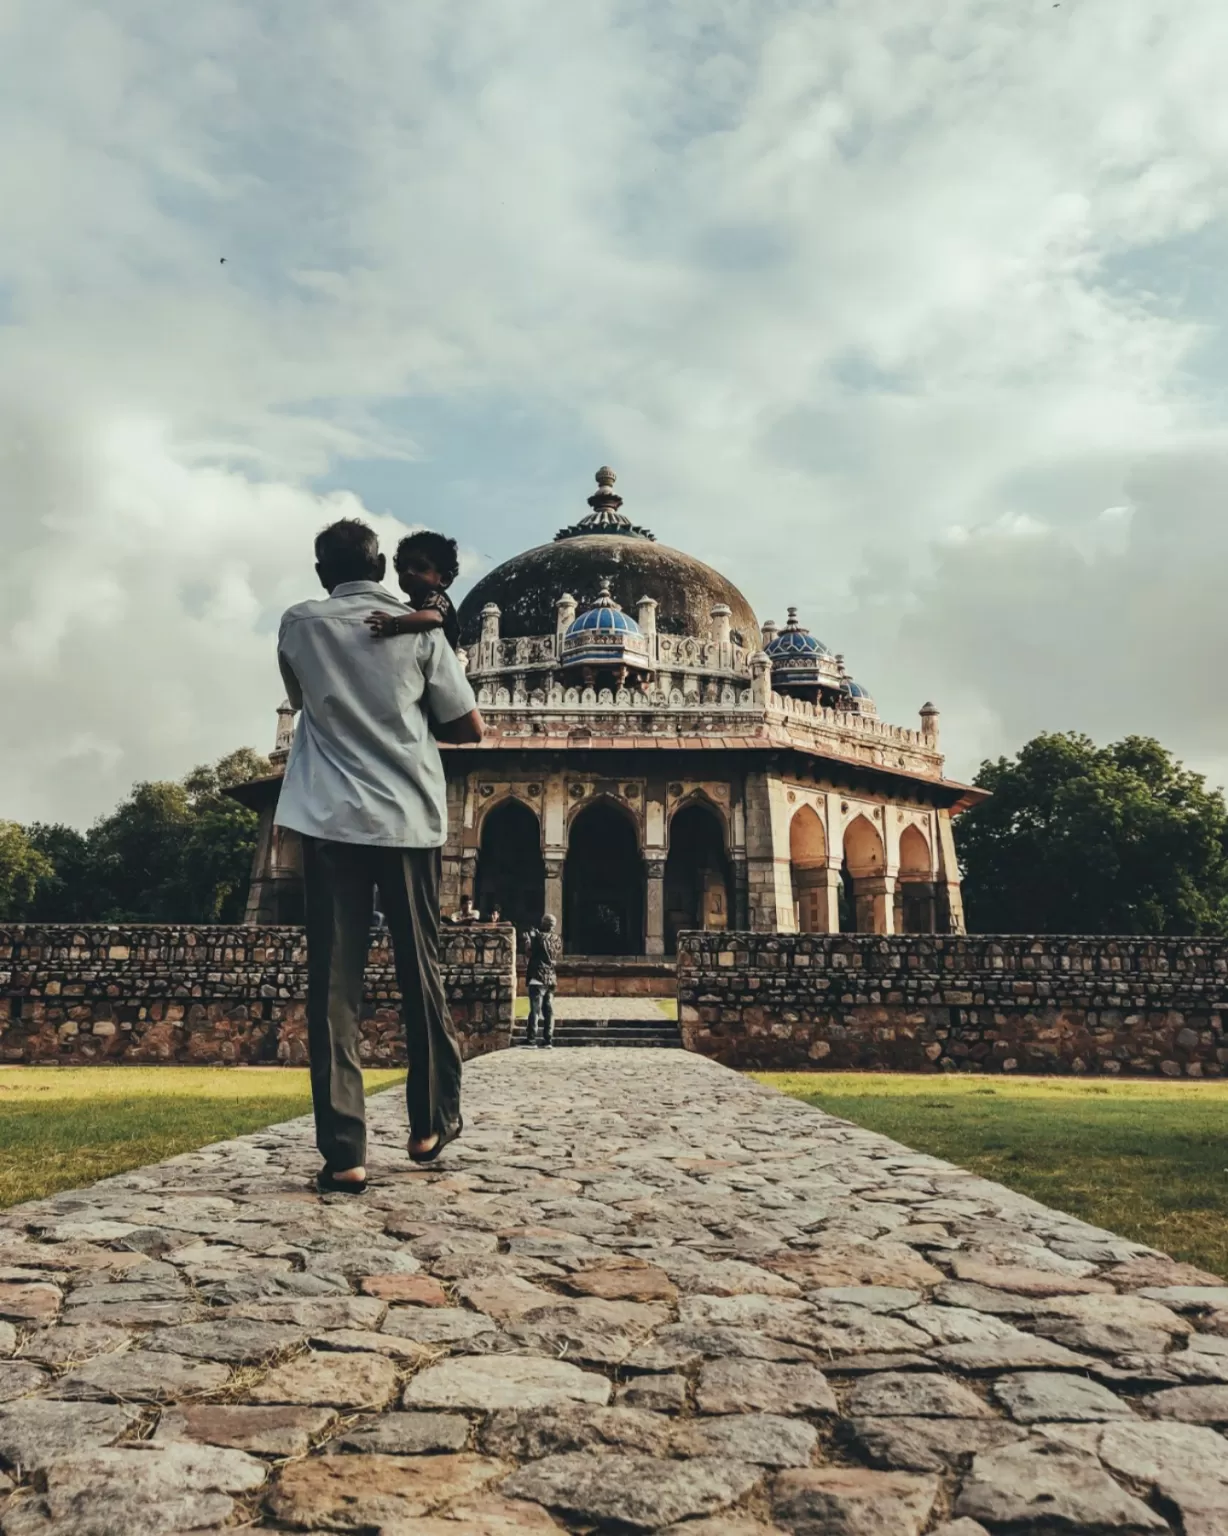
pixel 145 993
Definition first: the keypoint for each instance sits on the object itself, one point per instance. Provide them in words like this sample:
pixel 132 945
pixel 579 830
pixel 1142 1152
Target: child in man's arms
pixel 427 564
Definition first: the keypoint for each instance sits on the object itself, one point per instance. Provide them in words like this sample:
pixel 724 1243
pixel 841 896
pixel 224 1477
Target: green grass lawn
pixel 65 1126
pixel 1146 1159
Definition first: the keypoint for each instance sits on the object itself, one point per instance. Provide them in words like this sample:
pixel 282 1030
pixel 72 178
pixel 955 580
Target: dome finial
pixel 604 516
pixel 605 501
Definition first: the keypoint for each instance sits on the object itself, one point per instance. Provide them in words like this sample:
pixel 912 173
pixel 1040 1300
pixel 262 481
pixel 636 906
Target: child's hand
pixel 381 624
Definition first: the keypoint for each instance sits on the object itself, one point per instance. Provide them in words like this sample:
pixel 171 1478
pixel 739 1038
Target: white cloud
pixel 827 282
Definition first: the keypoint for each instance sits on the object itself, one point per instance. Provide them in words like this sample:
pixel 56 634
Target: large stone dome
pixel 526 588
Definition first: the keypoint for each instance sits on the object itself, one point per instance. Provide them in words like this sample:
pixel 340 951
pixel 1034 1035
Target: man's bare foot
pixel 422 1145
pixel 350 1175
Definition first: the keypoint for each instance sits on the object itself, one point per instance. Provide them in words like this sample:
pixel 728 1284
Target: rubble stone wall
pixel 922 1003
pixel 227 995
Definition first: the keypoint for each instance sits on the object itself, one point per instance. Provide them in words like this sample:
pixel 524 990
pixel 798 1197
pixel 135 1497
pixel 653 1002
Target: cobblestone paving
pixel 638 1295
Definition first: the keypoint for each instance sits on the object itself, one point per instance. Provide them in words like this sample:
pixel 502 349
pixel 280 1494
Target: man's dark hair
pixel 348 551
pixel 438 549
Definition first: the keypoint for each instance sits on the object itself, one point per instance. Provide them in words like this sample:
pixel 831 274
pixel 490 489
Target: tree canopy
pixel 22 867
pixel 1086 839
pixel 172 852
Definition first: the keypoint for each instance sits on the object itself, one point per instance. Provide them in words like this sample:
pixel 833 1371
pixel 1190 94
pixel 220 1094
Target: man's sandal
pixel 328 1183
pixel 445 1137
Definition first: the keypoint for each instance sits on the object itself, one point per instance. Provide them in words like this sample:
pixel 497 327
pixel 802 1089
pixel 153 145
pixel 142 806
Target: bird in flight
pixel 222 262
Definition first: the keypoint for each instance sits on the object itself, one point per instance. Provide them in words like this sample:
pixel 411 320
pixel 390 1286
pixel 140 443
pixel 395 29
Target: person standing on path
pixel 364 788
pixel 541 977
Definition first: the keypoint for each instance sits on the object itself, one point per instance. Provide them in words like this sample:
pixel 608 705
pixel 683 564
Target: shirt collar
pixel 359 588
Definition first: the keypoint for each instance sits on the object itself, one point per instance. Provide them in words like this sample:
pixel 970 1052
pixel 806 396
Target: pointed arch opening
pixel 864 877
pixel 915 904
pixel 603 884
pixel 697 883
pixel 511 874
pixel 812 889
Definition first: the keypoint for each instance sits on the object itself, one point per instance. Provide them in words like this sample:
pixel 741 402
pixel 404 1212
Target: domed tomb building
pixel 657 760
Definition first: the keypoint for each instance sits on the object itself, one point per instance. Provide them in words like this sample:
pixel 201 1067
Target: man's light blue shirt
pixel 364 766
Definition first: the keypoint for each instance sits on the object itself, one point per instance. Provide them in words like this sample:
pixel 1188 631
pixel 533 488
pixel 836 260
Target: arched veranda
pixel 865 870
pixel 603 884
pixel 511 874
pixel 697 883
pixel 813 890
pixel 915 905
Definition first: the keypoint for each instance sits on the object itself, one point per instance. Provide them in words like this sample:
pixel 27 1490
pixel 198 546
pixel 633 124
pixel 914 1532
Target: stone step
pixel 661 1033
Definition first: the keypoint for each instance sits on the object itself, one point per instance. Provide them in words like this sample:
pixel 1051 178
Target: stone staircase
pixel 608 1021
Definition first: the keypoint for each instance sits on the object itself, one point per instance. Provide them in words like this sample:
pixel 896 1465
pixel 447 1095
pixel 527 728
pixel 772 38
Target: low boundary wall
pixel 919 1003
pixel 146 994
pixel 140 993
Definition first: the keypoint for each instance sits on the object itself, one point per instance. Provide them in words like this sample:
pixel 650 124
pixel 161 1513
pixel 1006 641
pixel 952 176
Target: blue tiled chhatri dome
pixel 605 636
pixel 794 642
pixel 796 656
pixel 604 619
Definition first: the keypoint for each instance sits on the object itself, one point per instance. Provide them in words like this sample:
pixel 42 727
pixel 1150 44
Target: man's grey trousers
pixel 340 881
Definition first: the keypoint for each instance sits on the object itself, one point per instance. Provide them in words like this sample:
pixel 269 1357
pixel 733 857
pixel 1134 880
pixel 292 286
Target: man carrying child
pixel 364 787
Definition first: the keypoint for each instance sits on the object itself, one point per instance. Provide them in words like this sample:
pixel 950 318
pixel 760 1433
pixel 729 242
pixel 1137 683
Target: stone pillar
pixel 261 887
pixel 929 724
pixel 654 907
pixel 451 881
pixel 770 630
pixel 554 888
pixel 741 893
pixel 461 834
pixel 818 897
pixel 722 619
pixel 768 870
pixel 875 898
pixel 949 917
pixel 469 872
pixel 915 906
pixel 554 840
pixel 833 886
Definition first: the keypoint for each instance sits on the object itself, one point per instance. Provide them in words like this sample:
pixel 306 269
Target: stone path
pixel 642 1294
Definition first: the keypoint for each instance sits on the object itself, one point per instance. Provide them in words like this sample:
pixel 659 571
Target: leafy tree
pixel 138 854
pixel 170 852
pixel 22 867
pixel 66 894
pixel 217 859
pixel 1085 839
pixel 235 768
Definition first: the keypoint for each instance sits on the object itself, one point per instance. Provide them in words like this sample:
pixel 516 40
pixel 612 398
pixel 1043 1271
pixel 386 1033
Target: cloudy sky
pixel 909 314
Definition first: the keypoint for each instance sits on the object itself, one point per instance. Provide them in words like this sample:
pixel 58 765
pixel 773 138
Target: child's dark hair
pixel 438 549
